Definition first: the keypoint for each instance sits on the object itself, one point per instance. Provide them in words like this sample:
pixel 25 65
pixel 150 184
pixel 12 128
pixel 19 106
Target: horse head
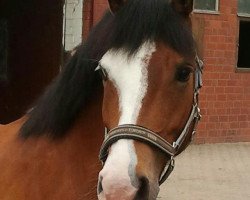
pixel 150 106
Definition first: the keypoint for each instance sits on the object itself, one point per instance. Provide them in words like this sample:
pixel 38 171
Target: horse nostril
pixel 143 191
pixel 99 186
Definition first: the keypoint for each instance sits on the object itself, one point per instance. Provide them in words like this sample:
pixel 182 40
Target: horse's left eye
pixel 183 74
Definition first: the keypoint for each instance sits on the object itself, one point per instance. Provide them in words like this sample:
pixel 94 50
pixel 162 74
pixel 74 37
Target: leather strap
pixel 130 131
pixel 167 171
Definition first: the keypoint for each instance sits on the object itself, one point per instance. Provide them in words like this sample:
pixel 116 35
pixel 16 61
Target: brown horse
pixel 137 76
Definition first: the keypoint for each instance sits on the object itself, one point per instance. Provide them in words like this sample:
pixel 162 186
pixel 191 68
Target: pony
pixel 136 78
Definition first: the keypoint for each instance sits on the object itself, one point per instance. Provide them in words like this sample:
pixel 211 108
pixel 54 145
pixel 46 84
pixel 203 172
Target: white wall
pixel 73 22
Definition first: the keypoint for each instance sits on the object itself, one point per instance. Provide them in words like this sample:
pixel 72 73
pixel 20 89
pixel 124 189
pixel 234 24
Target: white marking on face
pixel 115 173
pixel 130 77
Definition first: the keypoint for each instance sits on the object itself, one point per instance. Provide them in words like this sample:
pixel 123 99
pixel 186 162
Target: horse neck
pixel 68 165
pixel 83 144
pixel 88 131
pixel 84 141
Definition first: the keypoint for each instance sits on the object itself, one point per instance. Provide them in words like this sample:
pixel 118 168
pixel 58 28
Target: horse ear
pixel 183 7
pixel 115 5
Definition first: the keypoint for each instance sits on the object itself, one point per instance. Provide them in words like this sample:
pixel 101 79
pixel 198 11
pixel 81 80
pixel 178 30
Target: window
pixel 244 45
pixel 244 32
pixel 206 5
pixel 244 7
pixel 3 49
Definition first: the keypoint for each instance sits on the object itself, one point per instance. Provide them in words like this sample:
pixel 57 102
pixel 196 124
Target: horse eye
pixel 183 74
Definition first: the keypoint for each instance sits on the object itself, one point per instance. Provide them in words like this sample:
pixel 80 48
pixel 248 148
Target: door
pixel 31 52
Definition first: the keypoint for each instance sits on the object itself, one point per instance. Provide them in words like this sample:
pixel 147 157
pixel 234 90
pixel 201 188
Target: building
pixel 221 29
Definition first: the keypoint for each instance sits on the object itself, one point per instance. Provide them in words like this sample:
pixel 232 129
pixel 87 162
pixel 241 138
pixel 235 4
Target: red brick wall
pixel 87 17
pixel 93 11
pixel 225 97
pixel 99 8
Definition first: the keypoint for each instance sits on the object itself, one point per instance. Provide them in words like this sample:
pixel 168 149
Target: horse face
pixel 153 89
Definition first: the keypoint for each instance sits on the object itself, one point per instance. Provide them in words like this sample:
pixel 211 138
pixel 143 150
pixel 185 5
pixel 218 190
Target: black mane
pixel 138 21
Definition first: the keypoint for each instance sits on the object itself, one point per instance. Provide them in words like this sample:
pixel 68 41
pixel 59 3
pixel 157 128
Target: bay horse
pixel 137 77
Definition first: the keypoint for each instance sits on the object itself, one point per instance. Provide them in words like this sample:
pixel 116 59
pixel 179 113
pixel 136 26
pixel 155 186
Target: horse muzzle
pixel 114 189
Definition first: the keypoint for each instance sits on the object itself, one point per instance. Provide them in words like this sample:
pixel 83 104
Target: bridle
pixel 130 131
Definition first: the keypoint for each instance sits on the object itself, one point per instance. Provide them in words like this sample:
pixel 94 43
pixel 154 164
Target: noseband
pixel 130 131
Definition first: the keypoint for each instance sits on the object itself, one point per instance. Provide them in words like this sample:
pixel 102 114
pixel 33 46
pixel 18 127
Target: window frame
pixel 201 11
pixel 243 15
pixel 241 69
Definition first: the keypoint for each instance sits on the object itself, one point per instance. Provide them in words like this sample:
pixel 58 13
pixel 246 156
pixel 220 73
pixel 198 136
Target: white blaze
pixel 130 77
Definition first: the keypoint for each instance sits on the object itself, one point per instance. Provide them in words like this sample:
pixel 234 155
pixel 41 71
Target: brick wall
pixel 225 97
pixel 93 11
pixel 87 17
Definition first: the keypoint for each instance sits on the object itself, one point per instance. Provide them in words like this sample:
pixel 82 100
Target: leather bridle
pixel 130 131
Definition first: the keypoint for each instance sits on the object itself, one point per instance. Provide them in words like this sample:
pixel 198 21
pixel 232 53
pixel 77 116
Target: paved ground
pixel 210 172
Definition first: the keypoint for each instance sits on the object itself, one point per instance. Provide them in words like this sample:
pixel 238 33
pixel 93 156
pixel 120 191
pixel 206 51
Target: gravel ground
pixel 210 172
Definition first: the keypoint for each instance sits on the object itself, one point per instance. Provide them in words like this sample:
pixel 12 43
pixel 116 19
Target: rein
pixel 130 131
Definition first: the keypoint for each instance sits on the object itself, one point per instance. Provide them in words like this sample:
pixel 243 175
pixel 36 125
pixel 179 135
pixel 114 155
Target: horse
pixel 129 95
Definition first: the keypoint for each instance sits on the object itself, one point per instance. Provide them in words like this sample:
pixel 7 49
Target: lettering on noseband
pixel 152 137
pixel 142 133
